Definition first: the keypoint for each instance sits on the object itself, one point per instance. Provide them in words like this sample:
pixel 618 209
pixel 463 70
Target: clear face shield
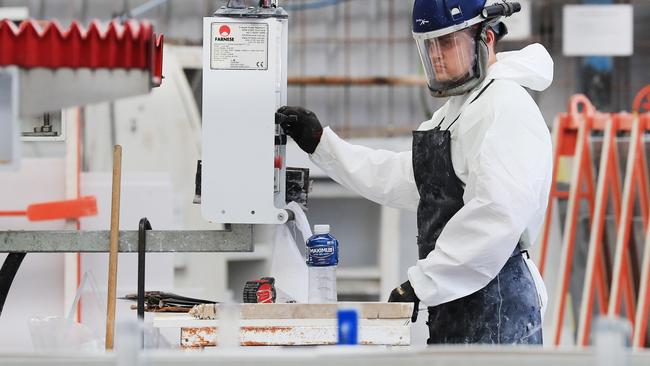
pixel 449 60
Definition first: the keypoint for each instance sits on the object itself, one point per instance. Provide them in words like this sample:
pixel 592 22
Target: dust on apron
pixel 507 310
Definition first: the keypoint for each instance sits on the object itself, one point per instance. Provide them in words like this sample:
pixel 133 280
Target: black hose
pixel 7 274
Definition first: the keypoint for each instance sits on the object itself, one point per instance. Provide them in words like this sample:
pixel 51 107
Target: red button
pixel 278 162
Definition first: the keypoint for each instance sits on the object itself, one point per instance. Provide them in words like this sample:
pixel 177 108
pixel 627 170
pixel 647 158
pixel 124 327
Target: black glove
pixel 405 293
pixel 304 129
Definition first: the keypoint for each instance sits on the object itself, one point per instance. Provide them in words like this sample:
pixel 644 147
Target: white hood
pixel 530 67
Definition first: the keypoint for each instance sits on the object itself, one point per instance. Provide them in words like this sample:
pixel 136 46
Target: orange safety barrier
pixel 642 100
pixel 571 138
pixel 636 180
pixel 581 188
pixel 565 136
pixel 643 304
pixel 608 185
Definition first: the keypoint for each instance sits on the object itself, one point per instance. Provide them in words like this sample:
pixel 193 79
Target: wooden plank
pixel 187 321
pixel 114 246
pixel 366 310
pixel 297 324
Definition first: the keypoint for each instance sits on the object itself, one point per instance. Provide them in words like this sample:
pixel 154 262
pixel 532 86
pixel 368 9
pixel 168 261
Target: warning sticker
pixel 239 46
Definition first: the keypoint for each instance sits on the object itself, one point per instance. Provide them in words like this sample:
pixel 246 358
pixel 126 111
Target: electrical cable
pixel 7 273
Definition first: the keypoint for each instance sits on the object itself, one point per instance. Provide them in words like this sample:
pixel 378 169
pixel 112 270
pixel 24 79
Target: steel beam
pixel 238 238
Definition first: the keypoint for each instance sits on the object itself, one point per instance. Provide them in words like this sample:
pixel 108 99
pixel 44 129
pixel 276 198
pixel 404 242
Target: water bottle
pixel 322 259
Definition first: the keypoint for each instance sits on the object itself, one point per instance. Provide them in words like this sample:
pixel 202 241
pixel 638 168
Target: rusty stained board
pixel 298 324
pixel 391 335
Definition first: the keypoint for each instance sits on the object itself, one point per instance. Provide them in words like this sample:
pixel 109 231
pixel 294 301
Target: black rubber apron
pixel 507 310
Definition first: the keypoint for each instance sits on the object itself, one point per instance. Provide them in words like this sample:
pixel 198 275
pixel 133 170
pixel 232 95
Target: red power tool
pixel 260 291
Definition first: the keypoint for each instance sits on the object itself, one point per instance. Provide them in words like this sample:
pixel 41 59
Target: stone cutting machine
pixel 244 173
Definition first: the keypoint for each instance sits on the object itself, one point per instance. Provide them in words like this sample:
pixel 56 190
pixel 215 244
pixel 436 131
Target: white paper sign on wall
pixel 598 30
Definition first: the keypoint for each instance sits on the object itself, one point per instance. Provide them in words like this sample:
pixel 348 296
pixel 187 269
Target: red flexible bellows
pixel 158 60
pixel 129 46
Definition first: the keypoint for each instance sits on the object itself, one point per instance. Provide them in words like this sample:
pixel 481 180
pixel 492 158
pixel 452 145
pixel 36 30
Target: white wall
pixel 37 289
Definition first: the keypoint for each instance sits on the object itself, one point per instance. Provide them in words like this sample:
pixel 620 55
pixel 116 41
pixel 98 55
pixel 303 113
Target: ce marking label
pixel 260 64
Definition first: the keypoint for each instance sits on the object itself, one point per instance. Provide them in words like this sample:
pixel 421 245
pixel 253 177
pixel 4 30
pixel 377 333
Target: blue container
pixel 348 321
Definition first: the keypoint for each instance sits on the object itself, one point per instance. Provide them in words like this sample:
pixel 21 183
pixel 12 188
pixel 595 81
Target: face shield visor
pixel 449 60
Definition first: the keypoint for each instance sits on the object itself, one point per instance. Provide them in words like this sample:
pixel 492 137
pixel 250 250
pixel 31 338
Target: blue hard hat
pixel 435 15
pixel 451 37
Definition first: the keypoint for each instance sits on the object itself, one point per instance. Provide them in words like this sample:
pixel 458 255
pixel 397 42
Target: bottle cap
pixel 321 229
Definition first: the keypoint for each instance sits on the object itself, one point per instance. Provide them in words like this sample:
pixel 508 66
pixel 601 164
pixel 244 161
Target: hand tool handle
pixel 114 246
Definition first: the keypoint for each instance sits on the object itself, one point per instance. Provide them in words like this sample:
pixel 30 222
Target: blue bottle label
pixel 322 253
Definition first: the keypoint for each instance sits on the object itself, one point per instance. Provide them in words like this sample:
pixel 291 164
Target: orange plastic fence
pixel 571 136
pixel 642 100
pixel 607 186
pixel 636 180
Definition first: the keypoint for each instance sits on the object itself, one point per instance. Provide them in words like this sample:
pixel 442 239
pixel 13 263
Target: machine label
pixel 239 46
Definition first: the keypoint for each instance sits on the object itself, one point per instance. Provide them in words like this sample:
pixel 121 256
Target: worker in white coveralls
pixel 479 175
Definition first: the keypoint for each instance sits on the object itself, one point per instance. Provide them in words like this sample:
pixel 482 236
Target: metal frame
pixel 236 238
pixel 239 238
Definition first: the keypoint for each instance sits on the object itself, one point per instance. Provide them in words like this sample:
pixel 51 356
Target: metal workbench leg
pixel 7 274
pixel 142 247
pixel 142 250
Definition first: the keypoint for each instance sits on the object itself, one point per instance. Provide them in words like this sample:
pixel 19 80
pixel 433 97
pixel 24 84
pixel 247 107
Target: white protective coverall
pixel 501 151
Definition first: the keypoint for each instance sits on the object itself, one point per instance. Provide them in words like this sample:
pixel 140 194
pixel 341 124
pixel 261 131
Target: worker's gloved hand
pixel 304 128
pixel 405 293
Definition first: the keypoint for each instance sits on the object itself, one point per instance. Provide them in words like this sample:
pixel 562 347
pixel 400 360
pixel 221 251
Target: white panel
pixel 37 289
pixel 9 136
pixel 72 85
pixel 239 129
pixel 598 30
